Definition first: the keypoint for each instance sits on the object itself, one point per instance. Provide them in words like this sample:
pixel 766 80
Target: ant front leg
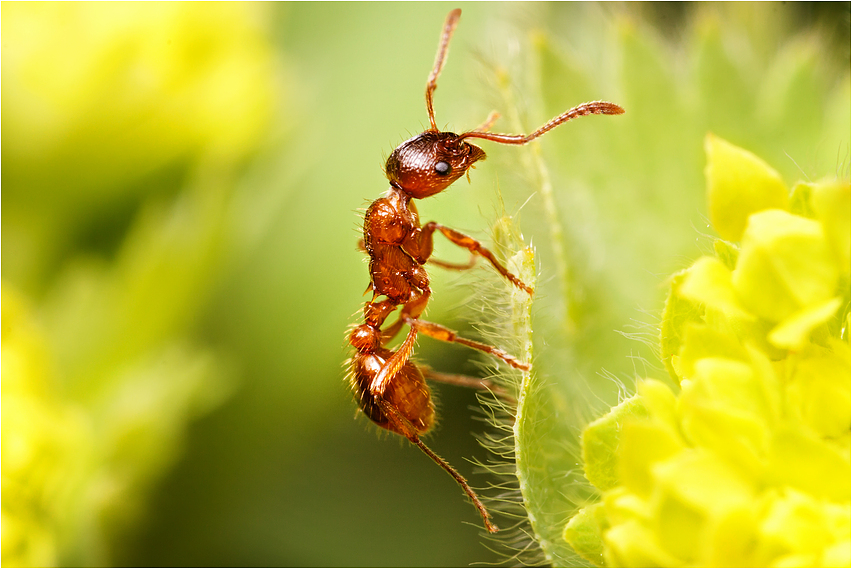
pixel 476 248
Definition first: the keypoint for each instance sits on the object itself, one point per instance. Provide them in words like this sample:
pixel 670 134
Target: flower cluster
pixel 44 442
pixel 128 128
pixel 748 462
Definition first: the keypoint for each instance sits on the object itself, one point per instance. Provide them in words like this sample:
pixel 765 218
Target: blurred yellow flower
pixel 107 92
pixel 45 442
pixel 99 97
pixel 748 465
pixel 129 122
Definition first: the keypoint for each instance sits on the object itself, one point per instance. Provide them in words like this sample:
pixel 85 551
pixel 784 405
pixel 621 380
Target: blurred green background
pixel 180 192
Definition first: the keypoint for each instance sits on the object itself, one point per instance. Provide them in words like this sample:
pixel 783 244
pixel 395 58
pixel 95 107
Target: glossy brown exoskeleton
pixel 390 389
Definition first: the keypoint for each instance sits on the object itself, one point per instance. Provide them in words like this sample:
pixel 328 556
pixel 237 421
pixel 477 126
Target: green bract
pixel 747 463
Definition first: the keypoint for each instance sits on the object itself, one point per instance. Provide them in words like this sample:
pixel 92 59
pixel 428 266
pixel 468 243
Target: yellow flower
pixel 748 463
pixel 44 442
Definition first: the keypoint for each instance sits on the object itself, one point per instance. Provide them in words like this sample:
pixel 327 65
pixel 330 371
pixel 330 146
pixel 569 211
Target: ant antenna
pixel 441 57
pixel 489 122
pixel 593 108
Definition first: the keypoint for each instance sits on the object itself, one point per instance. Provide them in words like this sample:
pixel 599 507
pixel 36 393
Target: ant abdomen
pixel 407 392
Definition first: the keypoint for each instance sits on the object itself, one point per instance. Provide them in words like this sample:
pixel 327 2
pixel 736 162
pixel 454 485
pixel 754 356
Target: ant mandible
pixel 391 390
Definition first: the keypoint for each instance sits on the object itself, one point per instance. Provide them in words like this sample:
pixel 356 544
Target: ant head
pixel 428 163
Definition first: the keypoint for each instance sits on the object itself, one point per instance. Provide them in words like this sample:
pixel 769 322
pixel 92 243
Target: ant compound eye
pixel 442 168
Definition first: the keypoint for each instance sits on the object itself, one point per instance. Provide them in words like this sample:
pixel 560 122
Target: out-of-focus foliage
pixel 167 251
pixel 45 443
pixel 747 464
pixel 125 126
pixel 100 100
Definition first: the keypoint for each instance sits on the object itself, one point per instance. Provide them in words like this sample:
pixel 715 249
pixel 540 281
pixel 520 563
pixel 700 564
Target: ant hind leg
pixel 466 381
pixel 454 266
pixel 407 429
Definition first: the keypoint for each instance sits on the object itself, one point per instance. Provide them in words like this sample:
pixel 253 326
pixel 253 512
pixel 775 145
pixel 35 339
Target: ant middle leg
pixel 410 314
pixel 477 248
pixel 454 266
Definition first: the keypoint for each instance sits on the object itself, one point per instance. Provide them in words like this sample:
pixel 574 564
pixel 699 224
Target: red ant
pixel 390 389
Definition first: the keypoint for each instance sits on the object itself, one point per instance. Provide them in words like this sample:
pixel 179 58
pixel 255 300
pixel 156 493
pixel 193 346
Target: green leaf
pixel 800 200
pixel 583 533
pixel 677 313
pixel 539 458
pixel 727 252
pixel 601 441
